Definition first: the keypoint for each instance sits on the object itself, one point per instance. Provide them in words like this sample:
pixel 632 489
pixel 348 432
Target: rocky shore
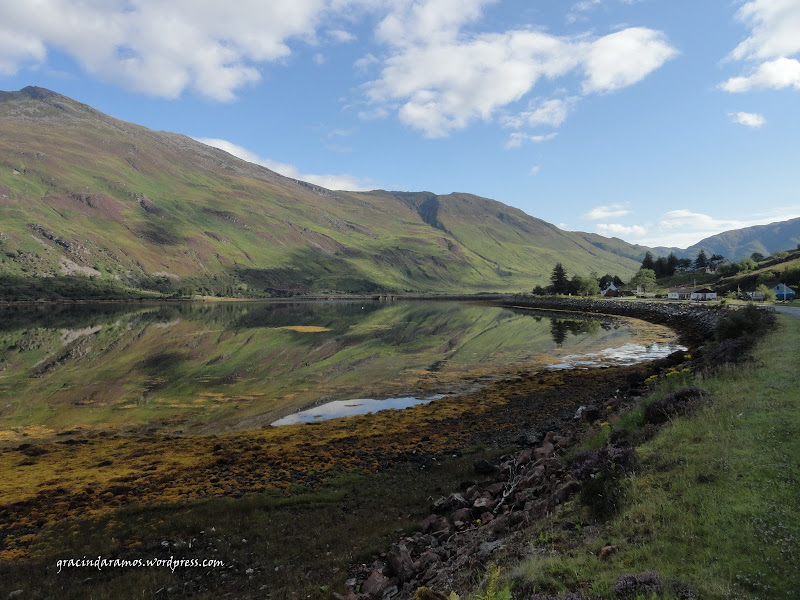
pixel 469 529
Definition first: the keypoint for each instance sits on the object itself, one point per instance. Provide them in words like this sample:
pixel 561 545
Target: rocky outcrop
pixel 466 529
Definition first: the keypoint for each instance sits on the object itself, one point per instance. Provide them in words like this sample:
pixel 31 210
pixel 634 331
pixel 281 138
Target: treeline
pixel 562 284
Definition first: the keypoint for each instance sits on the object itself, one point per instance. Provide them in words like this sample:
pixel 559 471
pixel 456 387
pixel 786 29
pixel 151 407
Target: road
pixel 793 311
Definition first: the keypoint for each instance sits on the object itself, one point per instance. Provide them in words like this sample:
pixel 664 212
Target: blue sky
pixel 657 121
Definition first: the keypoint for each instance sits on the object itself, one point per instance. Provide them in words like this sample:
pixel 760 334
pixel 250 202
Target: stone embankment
pixel 466 529
pixel 695 322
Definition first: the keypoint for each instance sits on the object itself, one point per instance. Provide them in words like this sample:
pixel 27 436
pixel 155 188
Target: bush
pixel 601 472
pixel 745 321
pixel 678 403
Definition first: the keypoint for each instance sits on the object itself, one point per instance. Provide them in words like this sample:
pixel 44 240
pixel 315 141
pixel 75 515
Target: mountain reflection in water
pixel 210 367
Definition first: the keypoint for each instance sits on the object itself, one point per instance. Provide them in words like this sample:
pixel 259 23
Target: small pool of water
pixel 348 408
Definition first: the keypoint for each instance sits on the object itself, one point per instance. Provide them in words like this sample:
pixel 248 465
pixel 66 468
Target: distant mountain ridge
pixel 85 194
pixel 738 244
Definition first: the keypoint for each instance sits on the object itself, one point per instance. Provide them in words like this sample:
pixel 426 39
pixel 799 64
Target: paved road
pixel 793 311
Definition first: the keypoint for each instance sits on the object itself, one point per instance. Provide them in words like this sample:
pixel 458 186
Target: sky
pixel 657 121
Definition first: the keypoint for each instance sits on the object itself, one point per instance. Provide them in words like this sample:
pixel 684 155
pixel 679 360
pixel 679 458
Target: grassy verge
pixel 713 509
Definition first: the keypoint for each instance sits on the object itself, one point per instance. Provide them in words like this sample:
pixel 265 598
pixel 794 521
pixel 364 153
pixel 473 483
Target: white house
pixel 704 294
pixel 680 293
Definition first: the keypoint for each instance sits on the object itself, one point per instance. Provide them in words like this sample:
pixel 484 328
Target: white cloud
pixel 160 48
pixel 341 36
pixel 775 74
pixel 551 112
pixel 605 212
pixel 683 227
pixel 535 170
pixel 775 29
pixel 626 57
pixel 446 79
pixel 753 120
pixel 621 231
pixel 331 182
pixel 516 139
pixel 774 38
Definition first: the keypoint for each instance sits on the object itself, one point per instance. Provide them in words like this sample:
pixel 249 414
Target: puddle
pixel 626 355
pixel 348 408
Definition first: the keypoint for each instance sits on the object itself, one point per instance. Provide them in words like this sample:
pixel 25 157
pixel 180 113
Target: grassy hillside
pixel 86 196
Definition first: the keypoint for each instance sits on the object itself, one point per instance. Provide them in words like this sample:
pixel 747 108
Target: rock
pixel 496 488
pixel 452 502
pixel 15 594
pixel 400 563
pixel 524 457
pixel 375 584
pixel 462 514
pixel 566 490
pixel 435 524
pixel 483 503
pixel 546 450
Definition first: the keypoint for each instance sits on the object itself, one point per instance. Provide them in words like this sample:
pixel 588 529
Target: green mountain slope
pixel 85 195
pixel 741 243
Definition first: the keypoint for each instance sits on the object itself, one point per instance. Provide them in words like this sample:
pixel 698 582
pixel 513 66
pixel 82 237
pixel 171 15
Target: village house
pixel 704 294
pixel 783 292
pixel 680 293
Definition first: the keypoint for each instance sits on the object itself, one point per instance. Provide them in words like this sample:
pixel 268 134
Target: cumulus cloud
pixel 621 231
pixel 445 84
pixel 626 57
pixel 775 74
pixel 605 212
pixel 331 182
pixel 160 48
pixel 753 120
pixel 774 38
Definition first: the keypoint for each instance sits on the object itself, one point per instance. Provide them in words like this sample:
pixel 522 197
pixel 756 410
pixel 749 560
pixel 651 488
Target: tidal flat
pixel 86 480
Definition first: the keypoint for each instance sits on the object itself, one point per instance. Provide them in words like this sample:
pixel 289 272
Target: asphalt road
pixel 793 311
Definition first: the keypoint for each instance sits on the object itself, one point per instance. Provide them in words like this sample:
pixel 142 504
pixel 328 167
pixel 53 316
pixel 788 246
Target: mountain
pixel 738 244
pixel 84 195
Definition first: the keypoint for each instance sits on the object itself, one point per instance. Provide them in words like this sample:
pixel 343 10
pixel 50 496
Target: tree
pixel 558 280
pixel 645 278
pixel 767 293
pixel 715 257
pixel 701 262
pixel 672 264
pixel 648 262
pixel 661 268
pixel 757 256
pixel 539 291
pixel 584 286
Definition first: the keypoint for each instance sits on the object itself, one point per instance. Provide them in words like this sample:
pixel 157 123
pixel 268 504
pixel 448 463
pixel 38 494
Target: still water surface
pixel 211 367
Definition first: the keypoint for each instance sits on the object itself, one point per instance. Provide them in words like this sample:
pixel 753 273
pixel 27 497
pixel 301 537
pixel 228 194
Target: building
pixel 680 293
pixel 611 291
pixel 704 294
pixel 783 292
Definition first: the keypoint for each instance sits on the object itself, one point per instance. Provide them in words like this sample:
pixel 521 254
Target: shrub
pixel 601 472
pixel 682 402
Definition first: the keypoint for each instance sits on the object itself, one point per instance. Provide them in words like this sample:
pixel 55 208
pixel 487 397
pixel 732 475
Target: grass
pixel 714 505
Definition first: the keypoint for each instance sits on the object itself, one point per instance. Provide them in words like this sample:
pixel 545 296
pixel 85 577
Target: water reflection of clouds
pixel 348 408
pixel 625 355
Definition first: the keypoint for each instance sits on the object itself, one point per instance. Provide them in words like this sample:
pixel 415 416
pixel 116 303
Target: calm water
pixel 197 367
